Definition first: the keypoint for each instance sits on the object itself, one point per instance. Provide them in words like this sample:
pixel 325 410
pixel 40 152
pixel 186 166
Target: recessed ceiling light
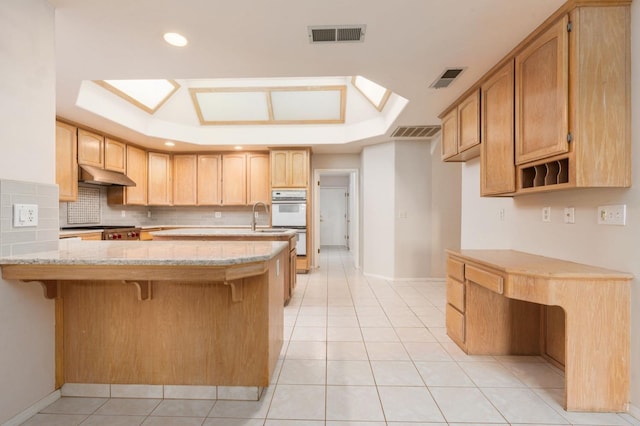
pixel 238 147
pixel 175 39
pixel 169 143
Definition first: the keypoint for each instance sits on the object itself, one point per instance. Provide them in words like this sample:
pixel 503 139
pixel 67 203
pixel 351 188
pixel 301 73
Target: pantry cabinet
pixel 497 168
pixel 234 180
pixel 209 179
pixel 115 156
pixel 66 162
pixel 289 168
pixel 461 130
pixel 185 180
pixel 160 188
pixel 258 188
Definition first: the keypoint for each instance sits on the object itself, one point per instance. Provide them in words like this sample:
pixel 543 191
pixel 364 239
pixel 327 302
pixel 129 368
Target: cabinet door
pixel 258 178
pixel 469 122
pixel 234 180
pixel 209 180
pixel 90 149
pixel 298 169
pixel 137 171
pixel 185 178
pixel 66 163
pixel 497 167
pixel 279 169
pixel 450 134
pixel 115 156
pixel 542 95
pixel 160 188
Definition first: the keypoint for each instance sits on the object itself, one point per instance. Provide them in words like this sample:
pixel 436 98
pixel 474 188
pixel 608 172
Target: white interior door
pixel 333 216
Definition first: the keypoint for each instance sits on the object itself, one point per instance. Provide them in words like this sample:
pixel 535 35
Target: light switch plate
pixel 25 215
pixel 612 215
pixel 569 215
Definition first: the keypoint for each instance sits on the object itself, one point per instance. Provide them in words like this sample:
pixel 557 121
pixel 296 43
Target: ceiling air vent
pixel 423 132
pixel 336 33
pixel 446 78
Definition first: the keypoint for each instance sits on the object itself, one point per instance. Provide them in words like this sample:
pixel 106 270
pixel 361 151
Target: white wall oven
pixel 289 210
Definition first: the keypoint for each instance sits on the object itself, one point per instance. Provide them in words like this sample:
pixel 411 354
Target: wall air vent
pixel 422 132
pixel 446 78
pixel 336 33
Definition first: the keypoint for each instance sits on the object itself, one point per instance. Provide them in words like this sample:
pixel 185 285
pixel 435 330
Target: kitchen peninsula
pixel 162 312
pixel 230 234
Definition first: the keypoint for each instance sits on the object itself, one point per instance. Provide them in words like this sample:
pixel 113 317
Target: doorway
pixel 334 204
pixel 339 179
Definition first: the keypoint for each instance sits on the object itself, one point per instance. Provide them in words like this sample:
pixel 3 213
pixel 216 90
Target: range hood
pixel 96 175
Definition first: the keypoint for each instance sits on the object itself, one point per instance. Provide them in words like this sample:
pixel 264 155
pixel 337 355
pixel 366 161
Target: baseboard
pixel 408 280
pixel 33 410
pixel 634 411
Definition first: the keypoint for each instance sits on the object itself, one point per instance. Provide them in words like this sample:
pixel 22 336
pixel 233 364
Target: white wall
pixel 27 154
pixel 27 91
pixel 378 210
pixel 446 180
pixel 412 187
pixel 586 242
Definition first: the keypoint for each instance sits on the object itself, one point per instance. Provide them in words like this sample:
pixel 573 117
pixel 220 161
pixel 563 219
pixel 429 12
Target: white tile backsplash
pixel 42 237
pixel 168 215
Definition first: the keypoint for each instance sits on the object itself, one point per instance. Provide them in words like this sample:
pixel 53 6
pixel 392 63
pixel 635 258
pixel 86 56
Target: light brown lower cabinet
pixel 504 302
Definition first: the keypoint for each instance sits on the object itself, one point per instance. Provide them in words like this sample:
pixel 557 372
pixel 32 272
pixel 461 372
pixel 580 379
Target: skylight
pixel 148 95
pixel 375 93
pixel 269 105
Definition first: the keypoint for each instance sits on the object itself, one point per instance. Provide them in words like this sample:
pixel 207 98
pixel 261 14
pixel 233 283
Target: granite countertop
pixel 259 233
pixel 201 253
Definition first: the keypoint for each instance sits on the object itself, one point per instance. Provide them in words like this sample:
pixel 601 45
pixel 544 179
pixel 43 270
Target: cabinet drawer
pixel 455 294
pixel 486 279
pixel 455 324
pixel 455 269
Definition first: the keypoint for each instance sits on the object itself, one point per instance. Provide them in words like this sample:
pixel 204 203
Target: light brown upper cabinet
pixel 185 180
pixel 66 161
pixel 290 168
pixel 160 188
pixel 115 156
pixel 234 179
pixel 136 159
pixel 542 95
pixel 258 188
pixel 90 148
pixel 497 168
pixel 572 105
pixel 461 130
pixel 594 148
pixel 209 179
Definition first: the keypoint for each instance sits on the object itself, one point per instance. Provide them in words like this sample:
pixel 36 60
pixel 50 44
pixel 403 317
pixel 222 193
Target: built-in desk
pixel 505 302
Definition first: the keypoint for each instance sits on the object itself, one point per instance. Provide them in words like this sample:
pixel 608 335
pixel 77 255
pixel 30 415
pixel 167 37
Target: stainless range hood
pixel 96 175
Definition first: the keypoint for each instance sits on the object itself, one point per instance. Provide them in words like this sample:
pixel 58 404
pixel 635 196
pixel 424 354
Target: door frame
pixel 354 194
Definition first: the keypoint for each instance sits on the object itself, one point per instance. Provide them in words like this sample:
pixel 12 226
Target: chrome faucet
pixel 253 216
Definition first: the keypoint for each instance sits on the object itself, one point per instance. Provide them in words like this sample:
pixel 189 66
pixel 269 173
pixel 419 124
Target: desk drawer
pixel 455 324
pixel 486 279
pixel 455 294
pixel 455 269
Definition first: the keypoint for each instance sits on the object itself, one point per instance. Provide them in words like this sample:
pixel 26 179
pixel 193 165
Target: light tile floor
pixel 362 351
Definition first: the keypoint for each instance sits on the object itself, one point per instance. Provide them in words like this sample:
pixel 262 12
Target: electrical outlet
pixel 123 213
pixel 501 214
pixel 256 215
pixel 25 215
pixel 612 215
pixel 217 215
pixel 149 213
pixel 569 215
pixel 546 214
